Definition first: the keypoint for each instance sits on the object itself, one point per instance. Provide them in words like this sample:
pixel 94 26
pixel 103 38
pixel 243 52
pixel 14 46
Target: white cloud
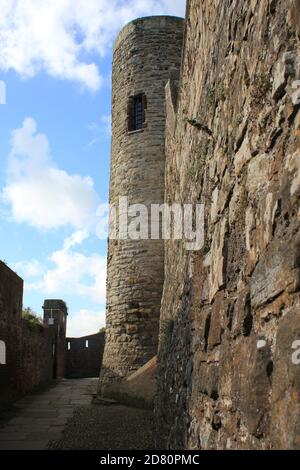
pixel 75 239
pixel 41 194
pixel 58 36
pixel 101 129
pixel 29 269
pixel 85 322
pixel 106 124
pixel 74 273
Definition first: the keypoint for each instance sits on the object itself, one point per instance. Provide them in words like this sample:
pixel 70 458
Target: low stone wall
pixel 84 356
pixel 37 356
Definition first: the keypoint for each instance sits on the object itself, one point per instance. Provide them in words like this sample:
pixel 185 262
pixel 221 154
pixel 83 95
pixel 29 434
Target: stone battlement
pixel 148 24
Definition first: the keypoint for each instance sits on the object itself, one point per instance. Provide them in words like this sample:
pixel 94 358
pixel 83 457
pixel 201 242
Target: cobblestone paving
pixel 108 428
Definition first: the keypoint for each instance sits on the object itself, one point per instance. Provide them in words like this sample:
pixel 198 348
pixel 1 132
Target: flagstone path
pixel 63 417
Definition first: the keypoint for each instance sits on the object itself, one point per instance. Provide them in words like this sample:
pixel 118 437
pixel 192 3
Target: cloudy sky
pixel 55 61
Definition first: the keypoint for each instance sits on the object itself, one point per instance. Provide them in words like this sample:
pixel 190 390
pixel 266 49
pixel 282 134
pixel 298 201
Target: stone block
pixel 278 270
pixel 283 69
pixel 252 367
pixel 258 174
pixel 218 258
pixel 242 321
pixel 285 431
pixel 243 156
pixel 217 322
pixel 293 166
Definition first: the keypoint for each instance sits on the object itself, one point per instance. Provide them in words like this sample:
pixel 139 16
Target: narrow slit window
pixel 87 343
pixel 136 112
pixel 139 111
pixel 2 353
pixel 69 346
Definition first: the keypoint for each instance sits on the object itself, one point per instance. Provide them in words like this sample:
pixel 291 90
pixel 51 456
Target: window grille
pixel 136 112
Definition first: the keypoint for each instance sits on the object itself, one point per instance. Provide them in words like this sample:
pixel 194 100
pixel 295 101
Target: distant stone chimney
pixel 55 316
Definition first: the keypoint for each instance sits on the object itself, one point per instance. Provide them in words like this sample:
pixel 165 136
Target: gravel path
pixel 64 417
pixel 113 427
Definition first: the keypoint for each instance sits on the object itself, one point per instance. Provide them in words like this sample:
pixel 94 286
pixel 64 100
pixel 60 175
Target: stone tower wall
pixel 229 372
pixel 147 54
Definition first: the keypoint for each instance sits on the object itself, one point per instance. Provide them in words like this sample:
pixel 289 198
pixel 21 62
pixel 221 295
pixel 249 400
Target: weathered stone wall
pixel 147 54
pixel 11 296
pixel 29 347
pixel 37 357
pixel 84 359
pixel 231 312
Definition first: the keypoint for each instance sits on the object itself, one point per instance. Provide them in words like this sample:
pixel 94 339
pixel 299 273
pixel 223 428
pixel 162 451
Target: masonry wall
pixel 37 357
pixel 29 354
pixel 11 296
pixel 147 53
pixel 84 356
pixel 230 315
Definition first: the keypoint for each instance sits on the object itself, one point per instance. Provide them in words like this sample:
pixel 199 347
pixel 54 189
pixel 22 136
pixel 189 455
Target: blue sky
pixel 55 61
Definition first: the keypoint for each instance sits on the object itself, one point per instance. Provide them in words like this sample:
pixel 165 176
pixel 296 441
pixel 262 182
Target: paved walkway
pixel 41 418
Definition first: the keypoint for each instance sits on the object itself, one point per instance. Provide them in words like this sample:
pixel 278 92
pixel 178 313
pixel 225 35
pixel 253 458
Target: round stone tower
pixel 147 54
